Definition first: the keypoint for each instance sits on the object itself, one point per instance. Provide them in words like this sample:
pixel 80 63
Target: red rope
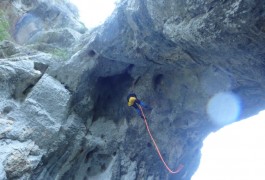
pixel 157 149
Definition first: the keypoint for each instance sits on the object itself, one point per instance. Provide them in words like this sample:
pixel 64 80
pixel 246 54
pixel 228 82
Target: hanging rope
pixel 157 149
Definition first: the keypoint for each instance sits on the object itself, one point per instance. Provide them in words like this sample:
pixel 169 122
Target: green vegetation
pixel 60 53
pixel 56 52
pixel 4 27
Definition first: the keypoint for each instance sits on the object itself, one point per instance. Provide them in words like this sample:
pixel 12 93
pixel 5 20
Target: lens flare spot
pixel 223 108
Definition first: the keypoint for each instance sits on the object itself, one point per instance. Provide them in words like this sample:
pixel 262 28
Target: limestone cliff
pixel 63 88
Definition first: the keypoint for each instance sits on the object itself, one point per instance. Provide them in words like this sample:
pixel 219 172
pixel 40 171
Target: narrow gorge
pixel 63 87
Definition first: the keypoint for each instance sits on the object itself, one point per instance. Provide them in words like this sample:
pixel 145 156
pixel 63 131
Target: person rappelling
pixel 139 105
pixel 135 102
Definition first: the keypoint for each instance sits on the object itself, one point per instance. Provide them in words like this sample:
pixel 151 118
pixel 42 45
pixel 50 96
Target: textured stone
pixel 41 114
pixel 7 49
pixel 62 37
pixel 18 158
pixel 6 126
pixel 50 95
pixel 16 77
pixel 175 55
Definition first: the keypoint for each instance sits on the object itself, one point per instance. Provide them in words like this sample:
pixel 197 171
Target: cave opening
pixel 109 95
pixel 157 82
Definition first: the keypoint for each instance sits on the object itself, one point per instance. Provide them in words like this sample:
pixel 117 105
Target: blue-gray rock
pixel 69 104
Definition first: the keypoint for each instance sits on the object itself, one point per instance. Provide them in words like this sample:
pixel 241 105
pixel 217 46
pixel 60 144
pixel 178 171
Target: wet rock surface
pixel 63 104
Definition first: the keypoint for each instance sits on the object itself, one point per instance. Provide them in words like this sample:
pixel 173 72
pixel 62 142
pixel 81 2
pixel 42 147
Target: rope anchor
pixel 179 168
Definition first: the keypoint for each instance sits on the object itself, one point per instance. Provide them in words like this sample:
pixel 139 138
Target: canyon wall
pixel 63 105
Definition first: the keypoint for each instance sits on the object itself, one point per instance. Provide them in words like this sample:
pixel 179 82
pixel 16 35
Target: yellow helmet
pixel 131 101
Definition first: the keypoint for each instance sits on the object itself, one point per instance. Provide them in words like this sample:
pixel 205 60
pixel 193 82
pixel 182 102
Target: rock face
pixel 63 104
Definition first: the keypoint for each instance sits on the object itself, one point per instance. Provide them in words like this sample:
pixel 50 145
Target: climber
pixel 139 105
pixel 134 102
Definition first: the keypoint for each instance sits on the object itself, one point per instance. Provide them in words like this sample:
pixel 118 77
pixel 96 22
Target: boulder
pixel 183 58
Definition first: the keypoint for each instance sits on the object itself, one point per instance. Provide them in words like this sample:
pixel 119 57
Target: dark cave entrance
pixel 109 96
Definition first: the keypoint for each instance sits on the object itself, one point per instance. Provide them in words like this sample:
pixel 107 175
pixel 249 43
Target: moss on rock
pixel 60 53
pixel 4 27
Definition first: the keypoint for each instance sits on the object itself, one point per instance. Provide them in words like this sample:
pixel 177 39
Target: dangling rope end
pixel 180 167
